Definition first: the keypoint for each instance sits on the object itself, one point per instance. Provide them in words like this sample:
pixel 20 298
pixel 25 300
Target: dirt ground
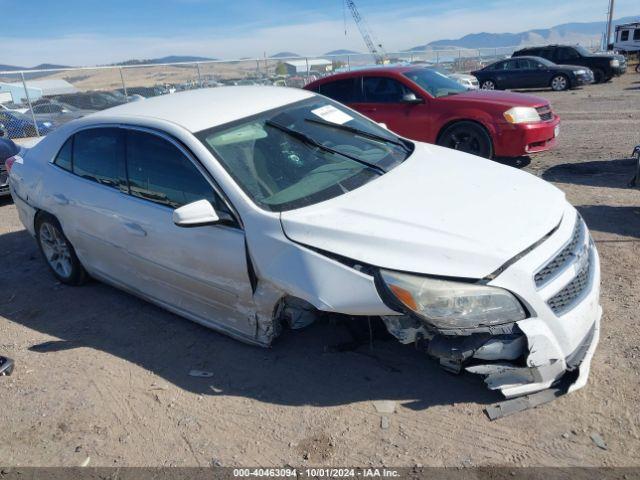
pixel 104 376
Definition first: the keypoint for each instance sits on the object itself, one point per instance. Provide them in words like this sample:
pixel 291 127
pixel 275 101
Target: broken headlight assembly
pixel 447 304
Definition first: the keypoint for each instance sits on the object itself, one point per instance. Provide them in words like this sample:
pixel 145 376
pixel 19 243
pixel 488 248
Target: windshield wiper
pixel 362 133
pixel 310 141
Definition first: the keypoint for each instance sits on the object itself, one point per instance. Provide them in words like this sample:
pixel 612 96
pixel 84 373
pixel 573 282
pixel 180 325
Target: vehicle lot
pixel 103 375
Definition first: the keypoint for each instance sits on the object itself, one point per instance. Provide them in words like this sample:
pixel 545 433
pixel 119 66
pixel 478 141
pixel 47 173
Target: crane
pixel 374 48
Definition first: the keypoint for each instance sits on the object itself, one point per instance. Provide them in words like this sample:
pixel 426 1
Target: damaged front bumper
pixel 542 370
pixel 553 347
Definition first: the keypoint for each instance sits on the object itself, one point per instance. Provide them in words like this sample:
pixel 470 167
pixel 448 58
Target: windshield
pixel 436 83
pixel 304 153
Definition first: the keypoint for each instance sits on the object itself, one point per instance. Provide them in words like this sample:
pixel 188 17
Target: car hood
pixel 494 97
pixel 441 212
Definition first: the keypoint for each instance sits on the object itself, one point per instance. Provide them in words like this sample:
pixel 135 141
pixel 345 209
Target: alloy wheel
pixel 56 249
pixel 465 141
pixel 559 83
pixel 488 85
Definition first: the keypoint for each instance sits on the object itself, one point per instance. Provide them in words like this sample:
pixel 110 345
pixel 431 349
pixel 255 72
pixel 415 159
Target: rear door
pixel 87 189
pixel 568 56
pixel 507 74
pixel 530 75
pixel 199 271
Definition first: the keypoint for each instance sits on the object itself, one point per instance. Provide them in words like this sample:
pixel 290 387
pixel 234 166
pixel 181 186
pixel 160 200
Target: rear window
pixel 63 160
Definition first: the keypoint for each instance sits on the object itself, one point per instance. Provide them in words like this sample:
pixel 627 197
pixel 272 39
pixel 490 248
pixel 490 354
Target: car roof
pixel 204 108
pixel 369 71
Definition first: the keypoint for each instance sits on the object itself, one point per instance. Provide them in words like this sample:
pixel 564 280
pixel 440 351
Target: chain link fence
pixel 35 102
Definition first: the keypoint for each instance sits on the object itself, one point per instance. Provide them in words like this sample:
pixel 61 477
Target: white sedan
pixel 253 209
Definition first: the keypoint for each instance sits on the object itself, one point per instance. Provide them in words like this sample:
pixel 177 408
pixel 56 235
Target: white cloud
pixel 397 30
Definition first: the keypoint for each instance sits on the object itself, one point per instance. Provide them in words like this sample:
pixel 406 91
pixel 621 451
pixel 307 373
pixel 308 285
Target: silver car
pixel 253 209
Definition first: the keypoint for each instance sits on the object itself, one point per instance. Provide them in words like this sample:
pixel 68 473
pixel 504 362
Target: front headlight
pixel 581 72
pixel 615 63
pixel 521 115
pixel 452 305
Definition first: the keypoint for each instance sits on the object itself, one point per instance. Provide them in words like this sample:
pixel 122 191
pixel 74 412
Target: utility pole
pixel 609 22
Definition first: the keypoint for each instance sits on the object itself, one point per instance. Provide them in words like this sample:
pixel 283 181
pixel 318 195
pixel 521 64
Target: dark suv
pixel 604 66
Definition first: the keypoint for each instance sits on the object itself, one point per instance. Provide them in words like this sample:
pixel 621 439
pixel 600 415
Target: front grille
pixel 566 256
pixel 545 112
pixel 574 291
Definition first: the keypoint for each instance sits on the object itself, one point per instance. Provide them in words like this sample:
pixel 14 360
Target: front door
pixel 201 271
pixel 382 101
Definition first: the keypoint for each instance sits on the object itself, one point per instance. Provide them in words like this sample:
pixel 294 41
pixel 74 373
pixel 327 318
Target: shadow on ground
pixel 618 220
pixel 301 369
pixel 601 173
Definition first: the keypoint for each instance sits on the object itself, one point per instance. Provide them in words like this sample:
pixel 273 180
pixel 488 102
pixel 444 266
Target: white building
pixel 37 89
pixel 299 67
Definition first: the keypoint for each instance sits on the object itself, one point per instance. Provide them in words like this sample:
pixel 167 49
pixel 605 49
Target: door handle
pixel 135 229
pixel 60 199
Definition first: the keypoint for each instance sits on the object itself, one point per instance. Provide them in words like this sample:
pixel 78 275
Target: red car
pixel 426 105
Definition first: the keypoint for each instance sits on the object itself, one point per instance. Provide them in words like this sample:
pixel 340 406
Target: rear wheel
pixel 598 75
pixel 559 83
pixel 58 251
pixel 467 137
pixel 488 85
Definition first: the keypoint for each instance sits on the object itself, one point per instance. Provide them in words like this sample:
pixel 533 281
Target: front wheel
pixel 559 83
pixel 467 137
pixel 598 75
pixel 58 251
pixel 488 85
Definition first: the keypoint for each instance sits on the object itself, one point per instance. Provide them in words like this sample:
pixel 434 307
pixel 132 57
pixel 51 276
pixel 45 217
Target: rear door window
pixel 383 90
pixel 343 91
pixel 566 54
pixel 158 171
pixel 543 52
pixel 98 155
pixel 525 64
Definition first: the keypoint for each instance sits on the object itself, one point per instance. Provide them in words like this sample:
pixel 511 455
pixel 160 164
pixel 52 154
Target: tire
pixel 638 68
pixel 488 85
pixel 468 137
pixel 598 75
pixel 559 83
pixel 58 252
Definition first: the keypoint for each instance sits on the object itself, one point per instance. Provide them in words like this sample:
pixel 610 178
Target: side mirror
pixel 411 98
pixel 196 214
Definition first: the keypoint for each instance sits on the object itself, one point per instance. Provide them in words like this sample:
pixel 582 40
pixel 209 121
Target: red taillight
pixel 9 163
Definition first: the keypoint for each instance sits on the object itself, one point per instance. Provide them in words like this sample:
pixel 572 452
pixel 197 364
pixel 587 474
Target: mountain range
pixel 571 33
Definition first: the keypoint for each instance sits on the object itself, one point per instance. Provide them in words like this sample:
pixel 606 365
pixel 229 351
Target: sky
pixel 94 32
